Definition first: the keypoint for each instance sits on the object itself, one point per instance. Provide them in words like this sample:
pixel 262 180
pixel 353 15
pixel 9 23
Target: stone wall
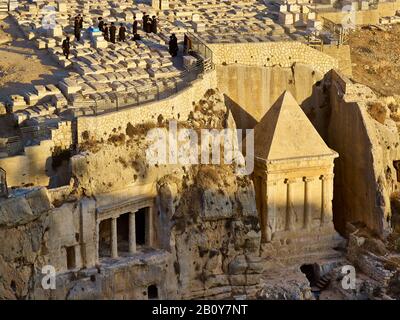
pixel 250 91
pixel 62 135
pixel 269 54
pixel 384 9
pixel 342 54
pixel 33 168
pixel 361 17
pixel 174 107
pixel 253 75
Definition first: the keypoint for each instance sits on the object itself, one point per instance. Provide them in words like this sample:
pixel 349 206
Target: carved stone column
pixel 326 198
pixel 97 255
pixel 289 205
pixel 307 203
pixel 149 227
pixel 114 238
pixel 132 233
pixel 270 217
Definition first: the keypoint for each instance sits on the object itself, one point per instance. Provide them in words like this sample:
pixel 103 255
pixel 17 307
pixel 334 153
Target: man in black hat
pixel 77 31
pixel 173 45
pixel 106 34
pixel 144 21
pixel 134 25
pixel 113 31
pixel 65 47
pixel 101 24
pixel 154 24
pixel 121 32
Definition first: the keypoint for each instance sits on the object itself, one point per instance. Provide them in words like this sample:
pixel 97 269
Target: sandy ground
pixel 375 55
pixel 22 65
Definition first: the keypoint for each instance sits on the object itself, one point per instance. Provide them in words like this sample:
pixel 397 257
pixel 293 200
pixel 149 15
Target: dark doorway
pixel 311 272
pixel 152 292
pixel 71 262
pixel 105 238
pixel 140 223
pixel 123 232
pixel 396 165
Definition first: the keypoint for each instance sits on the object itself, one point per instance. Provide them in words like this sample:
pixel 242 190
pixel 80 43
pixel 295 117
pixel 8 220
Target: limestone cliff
pixel 206 230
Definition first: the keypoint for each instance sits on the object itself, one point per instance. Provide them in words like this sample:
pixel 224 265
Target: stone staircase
pixel 322 283
pixel 302 246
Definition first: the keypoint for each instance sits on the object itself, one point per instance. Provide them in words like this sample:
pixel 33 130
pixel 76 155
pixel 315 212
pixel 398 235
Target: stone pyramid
pixel 285 132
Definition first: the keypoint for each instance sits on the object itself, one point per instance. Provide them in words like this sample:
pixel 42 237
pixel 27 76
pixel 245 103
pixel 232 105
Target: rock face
pixel 365 176
pixel 215 233
pixel 128 226
pixel 206 240
pixel 23 232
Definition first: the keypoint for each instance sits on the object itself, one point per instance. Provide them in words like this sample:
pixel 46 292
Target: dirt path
pixel 22 65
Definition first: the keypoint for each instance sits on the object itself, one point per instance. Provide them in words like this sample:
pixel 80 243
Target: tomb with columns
pixel 293 175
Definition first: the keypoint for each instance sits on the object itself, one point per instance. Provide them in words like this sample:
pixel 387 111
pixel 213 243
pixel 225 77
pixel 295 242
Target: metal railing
pixel 340 33
pixel 199 47
pixel 314 42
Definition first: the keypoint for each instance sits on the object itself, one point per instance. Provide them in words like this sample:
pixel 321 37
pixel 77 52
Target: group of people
pixel 149 24
pixel 110 32
pixel 78 26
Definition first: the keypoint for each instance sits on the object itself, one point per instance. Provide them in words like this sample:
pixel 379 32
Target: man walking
pixel 77 31
pixel 65 47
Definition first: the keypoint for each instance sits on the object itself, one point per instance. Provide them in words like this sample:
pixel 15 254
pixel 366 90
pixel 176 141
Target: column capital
pixel 326 176
pixel 291 180
pixel 309 179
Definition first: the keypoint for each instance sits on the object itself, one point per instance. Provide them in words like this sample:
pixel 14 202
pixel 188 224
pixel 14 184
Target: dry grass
pixel 377 111
pixel 375 55
pixel 117 139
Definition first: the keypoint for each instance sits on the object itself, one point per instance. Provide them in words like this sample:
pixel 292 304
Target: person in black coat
pixel 80 21
pixel 148 25
pixel 113 31
pixel 101 24
pixel 144 21
pixel 65 47
pixel 77 31
pixel 154 24
pixel 121 32
pixel 173 45
pixel 106 34
pixel 134 26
